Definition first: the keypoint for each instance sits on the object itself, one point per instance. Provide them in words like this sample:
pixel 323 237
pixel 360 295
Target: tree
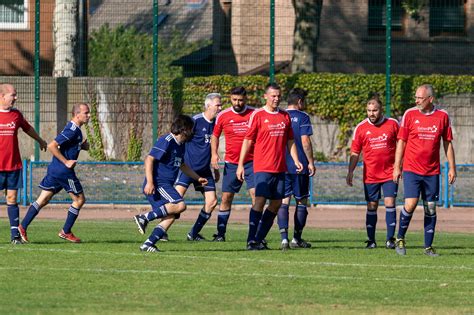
pixel 306 34
pixel 65 37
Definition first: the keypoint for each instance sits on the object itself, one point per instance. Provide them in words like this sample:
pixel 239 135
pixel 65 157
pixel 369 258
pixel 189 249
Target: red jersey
pixel 378 144
pixel 422 134
pixel 270 132
pixel 10 122
pixel 235 126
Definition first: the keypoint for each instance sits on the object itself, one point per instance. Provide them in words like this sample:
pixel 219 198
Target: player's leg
pixel 283 212
pixel 301 192
pixel 42 200
pixel 256 211
pixel 158 233
pixel 12 181
pixel 372 196
pixel 430 195
pixel 223 216
pixel 78 200
pixel 390 194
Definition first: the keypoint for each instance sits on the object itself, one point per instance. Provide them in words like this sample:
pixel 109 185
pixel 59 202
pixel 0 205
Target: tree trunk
pixel 306 34
pixel 65 37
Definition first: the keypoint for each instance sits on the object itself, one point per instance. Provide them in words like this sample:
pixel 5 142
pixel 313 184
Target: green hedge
pixel 334 97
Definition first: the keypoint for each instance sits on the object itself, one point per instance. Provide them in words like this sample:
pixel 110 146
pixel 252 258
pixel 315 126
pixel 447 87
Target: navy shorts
pixel 230 183
pixel 184 180
pixel 70 184
pixel 373 190
pixel 11 180
pixel 414 184
pixel 297 185
pixel 164 193
pixel 270 185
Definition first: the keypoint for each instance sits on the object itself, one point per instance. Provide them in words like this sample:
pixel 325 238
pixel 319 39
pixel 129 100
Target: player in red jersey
pixel 271 133
pixel 11 120
pixel 376 138
pixel 419 140
pixel 233 121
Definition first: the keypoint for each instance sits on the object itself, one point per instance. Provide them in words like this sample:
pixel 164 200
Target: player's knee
pixel 180 207
pixel 11 200
pixel 430 208
pixel 212 203
pixel 302 201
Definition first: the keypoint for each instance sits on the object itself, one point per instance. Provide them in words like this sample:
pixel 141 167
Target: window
pixel 14 14
pixel 447 17
pixel 377 17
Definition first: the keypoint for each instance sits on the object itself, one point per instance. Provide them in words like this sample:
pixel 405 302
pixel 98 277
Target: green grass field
pixel 108 275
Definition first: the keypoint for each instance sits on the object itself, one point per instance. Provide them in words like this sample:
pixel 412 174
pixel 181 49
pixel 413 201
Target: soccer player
pixel 419 140
pixel 60 175
pixel 270 131
pixel 376 138
pixel 11 119
pixel 234 123
pixel 297 183
pixel 198 155
pixel 162 165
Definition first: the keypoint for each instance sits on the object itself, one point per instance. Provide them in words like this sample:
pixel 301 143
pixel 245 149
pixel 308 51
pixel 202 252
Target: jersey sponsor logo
pixel 427 133
pixel 432 129
pixel 281 125
pixel 381 138
pixel 11 125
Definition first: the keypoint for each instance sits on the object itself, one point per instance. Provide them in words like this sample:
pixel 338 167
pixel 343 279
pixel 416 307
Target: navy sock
pixel 254 219
pixel 405 219
pixel 72 215
pixel 157 213
pixel 222 219
pixel 282 219
pixel 430 225
pixel 33 211
pixel 391 221
pixel 155 236
pixel 301 214
pixel 14 216
pixel 265 225
pixel 371 224
pixel 201 220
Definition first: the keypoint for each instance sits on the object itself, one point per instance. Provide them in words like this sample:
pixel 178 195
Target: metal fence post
pixel 25 184
pixel 272 41
pixel 388 57
pixel 446 185
pixel 155 70
pixel 37 74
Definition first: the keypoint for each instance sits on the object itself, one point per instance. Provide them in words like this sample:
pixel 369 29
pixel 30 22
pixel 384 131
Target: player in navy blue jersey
pixel 198 155
pixel 297 183
pixel 60 175
pixel 162 165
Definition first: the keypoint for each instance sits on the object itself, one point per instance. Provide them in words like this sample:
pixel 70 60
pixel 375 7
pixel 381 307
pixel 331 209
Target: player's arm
pixel 353 160
pixel 215 158
pixel 149 188
pixel 397 166
pixel 33 134
pixel 308 151
pixel 191 173
pixel 53 147
pixel 243 154
pixel 294 155
pixel 449 151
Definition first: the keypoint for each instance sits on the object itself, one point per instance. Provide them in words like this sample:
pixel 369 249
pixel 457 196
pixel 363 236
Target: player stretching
pixel 11 120
pixel 419 141
pixel 60 175
pixel 198 157
pixel 297 183
pixel 376 138
pixel 234 123
pixel 270 131
pixel 162 165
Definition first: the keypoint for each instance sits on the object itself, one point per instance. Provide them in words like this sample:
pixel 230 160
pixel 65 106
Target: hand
pixel 311 169
pixel 299 167
pixel 217 175
pixel 240 173
pixel 397 174
pixel 452 176
pixel 215 159
pixel 85 145
pixel 349 177
pixel 149 188
pixel 70 163
pixel 43 145
pixel 202 181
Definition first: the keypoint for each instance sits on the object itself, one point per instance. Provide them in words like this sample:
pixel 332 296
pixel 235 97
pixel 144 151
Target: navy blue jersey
pixel 168 155
pixel 198 150
pixel 69 140
pixel 301 125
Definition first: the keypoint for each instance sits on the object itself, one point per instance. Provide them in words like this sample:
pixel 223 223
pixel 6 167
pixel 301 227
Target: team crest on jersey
pixel 294 119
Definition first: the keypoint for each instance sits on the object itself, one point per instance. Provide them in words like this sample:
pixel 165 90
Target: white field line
pixel 220 275
pixel 243 259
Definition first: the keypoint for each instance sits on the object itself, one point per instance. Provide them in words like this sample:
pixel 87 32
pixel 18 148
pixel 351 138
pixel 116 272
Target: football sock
pixel 371 224
pixel 222 219
pixel 72 215
pixel 301 214
pixel 14 216
pixel 430 224
pixel 282 219
pixel 155 236
pixel 201 220
pixel 156 213
pixel 391 221
pixel 405 219
pixel 254 219
pixel 265 225
pixel 32 212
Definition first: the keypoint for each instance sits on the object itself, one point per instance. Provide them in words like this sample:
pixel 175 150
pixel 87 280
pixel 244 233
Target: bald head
pixel 7 96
